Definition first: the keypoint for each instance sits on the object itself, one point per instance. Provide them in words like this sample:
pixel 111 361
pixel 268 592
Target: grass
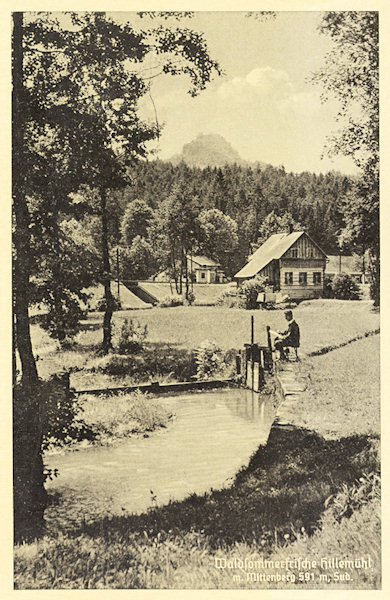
pixel 280 495
pixel 312 492
pixel 342 391
pixel 181 329
pixel 110 419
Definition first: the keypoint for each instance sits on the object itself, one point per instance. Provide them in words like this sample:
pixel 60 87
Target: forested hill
pixel 248 195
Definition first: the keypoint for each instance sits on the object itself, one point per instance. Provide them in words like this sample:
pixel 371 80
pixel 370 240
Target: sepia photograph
pixel 196 300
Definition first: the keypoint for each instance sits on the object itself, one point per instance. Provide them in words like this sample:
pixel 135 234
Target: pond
pixel 213 435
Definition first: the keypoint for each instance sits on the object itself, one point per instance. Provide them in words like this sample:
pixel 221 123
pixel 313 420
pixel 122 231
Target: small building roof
pixel 203 261
pixel 348 264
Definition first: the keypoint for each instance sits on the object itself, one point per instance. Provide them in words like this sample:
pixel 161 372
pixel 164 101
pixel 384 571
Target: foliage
pixel 247 195
pixel 349 499
pixel 209 360
pixel 122 415
pixel 190 299
pixel 217 236
pixel 61 414
pixel 344 287
pixel 138 261
pixel 173 300
pixel 174 233
pixel 351 74
pixel 62 267
pixel 273 223
pixel 230 300
pixel 250 289
pixel 155 361
pixel 130 336
pixel 62 321
pixel 275 509
pixel 135 221
pixel 101 304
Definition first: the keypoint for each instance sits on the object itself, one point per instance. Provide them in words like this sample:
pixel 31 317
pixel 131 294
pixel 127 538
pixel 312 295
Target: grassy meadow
pixel 312 492
pixel 173 334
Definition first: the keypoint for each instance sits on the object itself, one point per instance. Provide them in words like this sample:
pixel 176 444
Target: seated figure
pixel 288 338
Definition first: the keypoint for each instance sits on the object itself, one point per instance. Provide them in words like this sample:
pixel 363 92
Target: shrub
pixel 209 360
pixel 62 320
pixel 101 304
pixel 114 364
pixel 190 299
pixel 344 287
pixel 155 362
pixel 174 300
pixel 123 414
pixel 250 289
pixel 130 337
pixel 230 300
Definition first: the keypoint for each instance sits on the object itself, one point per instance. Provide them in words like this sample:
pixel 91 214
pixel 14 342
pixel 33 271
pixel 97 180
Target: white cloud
pixel 260 83
pixel 261 114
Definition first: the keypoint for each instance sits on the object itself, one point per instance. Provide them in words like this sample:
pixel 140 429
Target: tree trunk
pixel 109 300
pixel 186 274
pixel 29 492
pixel 21 237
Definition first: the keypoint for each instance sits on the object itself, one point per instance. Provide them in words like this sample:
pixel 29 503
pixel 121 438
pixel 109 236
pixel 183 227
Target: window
pixel 302 278
pixel 294 252
pixel 288 278
pixel 310 252
pixel 202 275
pixel 317 277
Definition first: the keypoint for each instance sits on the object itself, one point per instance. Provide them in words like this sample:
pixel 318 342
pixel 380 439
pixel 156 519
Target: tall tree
pixel 80 77
pixel 351 74
pixel 135 221
pixel 218 237
pixel 175 231
pixel 21 235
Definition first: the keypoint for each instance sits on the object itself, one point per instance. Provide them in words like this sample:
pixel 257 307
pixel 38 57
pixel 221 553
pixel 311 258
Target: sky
pixel 264 104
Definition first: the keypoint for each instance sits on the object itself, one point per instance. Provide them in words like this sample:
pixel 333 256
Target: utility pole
pixel 117 269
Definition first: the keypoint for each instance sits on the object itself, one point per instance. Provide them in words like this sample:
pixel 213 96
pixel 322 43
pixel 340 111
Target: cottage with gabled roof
pixel 292 262
pixel 205 270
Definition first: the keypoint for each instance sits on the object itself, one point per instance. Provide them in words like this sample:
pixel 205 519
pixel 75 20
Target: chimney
pixel 290 228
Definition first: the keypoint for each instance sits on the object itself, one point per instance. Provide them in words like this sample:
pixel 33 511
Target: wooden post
pixel 269 338
pixel 252 329
pixel 238 364
pixel 117 269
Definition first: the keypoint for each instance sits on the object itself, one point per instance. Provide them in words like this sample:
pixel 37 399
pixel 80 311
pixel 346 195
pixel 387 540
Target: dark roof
pixel 276 245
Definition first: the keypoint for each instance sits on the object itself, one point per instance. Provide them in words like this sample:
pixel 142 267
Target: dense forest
pixel 245 194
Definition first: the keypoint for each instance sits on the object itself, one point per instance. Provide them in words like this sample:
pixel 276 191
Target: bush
pixel 154 363
pixel 344 287
pixel 230 300
pixel 130 337
pixel 209 360
pixel 190 299
pixel 250 289
pixel 63 319
pixel 174 300
pixel 101 304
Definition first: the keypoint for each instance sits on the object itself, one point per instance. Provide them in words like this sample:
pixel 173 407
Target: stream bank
pixel 312 491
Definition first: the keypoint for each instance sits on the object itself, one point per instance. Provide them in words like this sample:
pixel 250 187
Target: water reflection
pixel 212 437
